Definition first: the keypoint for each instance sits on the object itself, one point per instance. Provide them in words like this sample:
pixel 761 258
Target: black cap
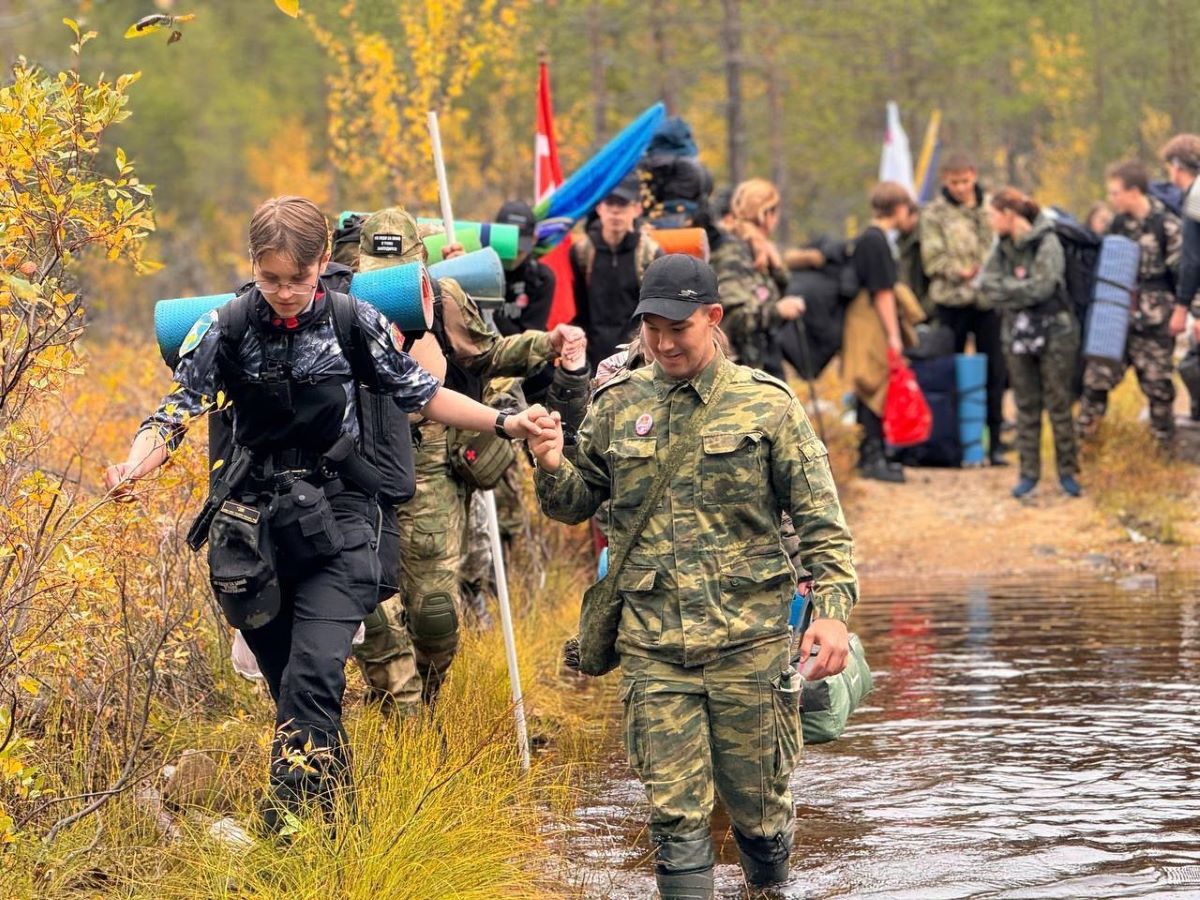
pixel 517 212
pixel 675 286
pixel 627 190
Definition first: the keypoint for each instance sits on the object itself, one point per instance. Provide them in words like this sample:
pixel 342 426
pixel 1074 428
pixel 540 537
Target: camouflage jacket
pixel 1026 272
pixel 953 238
pixel 480 351
pixel 1160 237
pixel 709 575
pixel 749 298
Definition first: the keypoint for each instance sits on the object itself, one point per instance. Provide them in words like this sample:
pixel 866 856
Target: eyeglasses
pixel 274 287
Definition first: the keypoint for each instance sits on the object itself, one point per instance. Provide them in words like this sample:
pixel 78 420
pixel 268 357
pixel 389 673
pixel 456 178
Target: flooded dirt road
pixel 1033 738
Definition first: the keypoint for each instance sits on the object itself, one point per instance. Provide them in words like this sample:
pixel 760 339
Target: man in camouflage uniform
pixel 412 638
pixel 1150 345
pixel 955 238
pixel 710 701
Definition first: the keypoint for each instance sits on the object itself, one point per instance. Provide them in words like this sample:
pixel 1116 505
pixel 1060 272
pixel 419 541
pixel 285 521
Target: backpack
pixel 345 240
pixel 1081 254
pixel 384 434
pixel 584 254
pixel 678 183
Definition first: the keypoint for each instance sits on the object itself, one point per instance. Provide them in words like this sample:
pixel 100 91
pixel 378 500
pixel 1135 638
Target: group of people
pixel 660 415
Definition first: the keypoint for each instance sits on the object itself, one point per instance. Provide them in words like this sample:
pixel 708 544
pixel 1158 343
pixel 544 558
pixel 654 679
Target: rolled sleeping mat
pixel 501 237
pixel 404 294
pixel 970 376
pixel 1108 316
pixel 692 241
pixel 481 273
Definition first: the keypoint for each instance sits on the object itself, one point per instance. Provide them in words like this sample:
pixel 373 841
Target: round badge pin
pixel 644 423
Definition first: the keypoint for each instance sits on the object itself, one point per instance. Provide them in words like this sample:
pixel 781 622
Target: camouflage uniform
pixel 1024 279
pixel 1150 347
pixel 954 237
pixel 411 639
pixel 750 298
pixel 707 589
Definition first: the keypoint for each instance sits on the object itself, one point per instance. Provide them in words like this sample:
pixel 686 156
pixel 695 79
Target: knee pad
pixel 681 853
pixel 434 622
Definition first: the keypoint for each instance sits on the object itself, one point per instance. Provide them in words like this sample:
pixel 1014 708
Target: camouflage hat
pixel 389 238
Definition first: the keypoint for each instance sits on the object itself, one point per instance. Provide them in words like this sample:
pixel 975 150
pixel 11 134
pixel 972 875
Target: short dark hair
pixel 889 196
pixel 1131 173
pixel 957 162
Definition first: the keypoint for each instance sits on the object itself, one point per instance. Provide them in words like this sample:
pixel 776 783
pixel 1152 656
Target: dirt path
pixel 963 521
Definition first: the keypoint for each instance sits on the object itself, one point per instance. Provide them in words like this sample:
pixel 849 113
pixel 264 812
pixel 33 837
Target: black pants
pixel 302 654
pixel 870 448
pixel 984 324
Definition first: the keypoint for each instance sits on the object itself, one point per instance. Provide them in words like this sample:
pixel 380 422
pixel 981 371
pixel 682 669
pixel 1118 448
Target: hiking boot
pixel 879 470
pixel 1024 488
pixel 1070 486
pixel 996 457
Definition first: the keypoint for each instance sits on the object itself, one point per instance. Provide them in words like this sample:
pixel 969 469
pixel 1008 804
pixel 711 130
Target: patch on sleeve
pixel 192 341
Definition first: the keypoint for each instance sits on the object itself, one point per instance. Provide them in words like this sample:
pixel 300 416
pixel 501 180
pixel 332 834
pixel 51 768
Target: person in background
pixel 1098 218
pixel 528 283
pixel 1150 346
pixel 607 266
pixel 955 239
pixel 752 277
pixel 873 341
pixel 1024 277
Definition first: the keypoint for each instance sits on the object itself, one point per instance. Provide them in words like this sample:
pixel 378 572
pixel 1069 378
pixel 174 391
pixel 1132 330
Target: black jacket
pixel 528 294
pixel 604 303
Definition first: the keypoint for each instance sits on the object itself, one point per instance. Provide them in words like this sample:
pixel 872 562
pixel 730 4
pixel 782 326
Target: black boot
pixel 685 865
pixel 765 860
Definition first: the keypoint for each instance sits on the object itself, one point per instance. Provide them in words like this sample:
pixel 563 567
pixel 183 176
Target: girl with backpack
pixel 1024 277
pixel 293 532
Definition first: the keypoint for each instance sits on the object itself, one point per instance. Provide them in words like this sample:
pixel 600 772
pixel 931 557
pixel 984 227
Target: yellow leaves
pixel 289 7
pixel 29 685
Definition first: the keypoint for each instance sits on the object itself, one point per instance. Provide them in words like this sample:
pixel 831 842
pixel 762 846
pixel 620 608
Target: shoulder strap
pixel 679 452
pixel 234 319
pixel 349 337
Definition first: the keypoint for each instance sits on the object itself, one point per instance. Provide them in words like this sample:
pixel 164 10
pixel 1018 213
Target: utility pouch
pixel 479 459
pixel 303 526
pixel 241 565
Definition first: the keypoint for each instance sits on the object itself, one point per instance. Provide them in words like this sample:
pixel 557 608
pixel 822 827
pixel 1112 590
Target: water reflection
pixel 1025 739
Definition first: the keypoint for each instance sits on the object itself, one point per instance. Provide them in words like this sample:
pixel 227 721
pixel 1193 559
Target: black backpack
pixel 1081 253
pixel 384 432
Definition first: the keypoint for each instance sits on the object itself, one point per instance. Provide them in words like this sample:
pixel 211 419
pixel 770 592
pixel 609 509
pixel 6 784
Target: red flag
pixel 547 176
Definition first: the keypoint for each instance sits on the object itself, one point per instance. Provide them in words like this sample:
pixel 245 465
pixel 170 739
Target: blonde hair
pixel 293 226
pixel 752 200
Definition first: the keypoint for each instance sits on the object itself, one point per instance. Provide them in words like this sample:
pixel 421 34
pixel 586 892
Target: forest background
pixel 249 103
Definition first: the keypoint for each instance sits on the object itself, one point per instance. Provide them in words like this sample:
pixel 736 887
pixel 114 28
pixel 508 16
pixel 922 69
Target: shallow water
pixel 1024 739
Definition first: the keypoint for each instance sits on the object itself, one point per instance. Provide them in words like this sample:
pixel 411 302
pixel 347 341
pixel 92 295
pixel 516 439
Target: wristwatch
pixel 499 426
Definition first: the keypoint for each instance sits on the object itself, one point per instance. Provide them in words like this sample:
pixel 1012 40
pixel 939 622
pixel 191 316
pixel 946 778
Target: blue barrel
pixel 404 294
pixel 481 273
pixel 970 376
pixel 1108 316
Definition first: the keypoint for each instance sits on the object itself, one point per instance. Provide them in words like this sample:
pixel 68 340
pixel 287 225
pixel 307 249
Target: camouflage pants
pixel 1152 355
pixel 412 637
pixel 719 727
pixel 477 565
pixel 1044 382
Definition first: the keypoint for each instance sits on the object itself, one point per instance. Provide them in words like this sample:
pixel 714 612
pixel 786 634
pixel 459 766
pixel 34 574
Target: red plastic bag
pixel 906 416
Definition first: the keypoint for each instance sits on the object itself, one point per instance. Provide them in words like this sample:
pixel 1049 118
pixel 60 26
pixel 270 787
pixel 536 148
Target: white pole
pixel 510 644
pixel 489 498
pixel 439 165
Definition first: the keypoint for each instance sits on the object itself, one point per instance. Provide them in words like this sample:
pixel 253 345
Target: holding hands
pixel 547 445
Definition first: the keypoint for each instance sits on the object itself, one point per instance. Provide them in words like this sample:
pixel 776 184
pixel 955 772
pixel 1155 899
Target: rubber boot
pixel 685 865
pixel 687 886
pixel 765 860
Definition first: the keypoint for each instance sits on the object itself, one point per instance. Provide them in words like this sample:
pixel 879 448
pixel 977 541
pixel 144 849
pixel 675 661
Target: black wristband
pixel 499 426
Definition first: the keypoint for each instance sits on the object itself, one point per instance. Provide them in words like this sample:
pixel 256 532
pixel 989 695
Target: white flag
pixel 896 162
